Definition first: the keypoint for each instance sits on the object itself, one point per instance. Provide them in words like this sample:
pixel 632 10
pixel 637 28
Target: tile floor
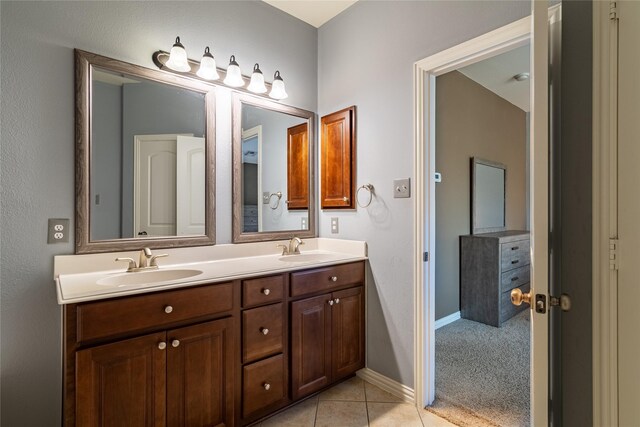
pixel 355 403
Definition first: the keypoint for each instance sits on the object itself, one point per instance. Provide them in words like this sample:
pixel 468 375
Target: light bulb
pixel 207 68
pixel 234 75
pixel 178 58
pixel 277 87
pixel 257 81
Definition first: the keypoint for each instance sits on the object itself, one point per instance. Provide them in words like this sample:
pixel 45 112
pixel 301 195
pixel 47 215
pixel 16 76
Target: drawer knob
pixel 330 302
pixel 264 331
pixel 266 386
pixel 337 300
pixel 333 278
pixel 175 343
pixel 168 309
pixel 162 345
pixel 266 291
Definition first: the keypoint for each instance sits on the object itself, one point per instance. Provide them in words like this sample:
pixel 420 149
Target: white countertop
pixel 78 277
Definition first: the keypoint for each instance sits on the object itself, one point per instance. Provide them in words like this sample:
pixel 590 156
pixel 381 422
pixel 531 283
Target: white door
pixel 628 213
pixel 190 186
pixel 154 185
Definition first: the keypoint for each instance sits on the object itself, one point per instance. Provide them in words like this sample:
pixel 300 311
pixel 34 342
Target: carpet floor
pixel 482 373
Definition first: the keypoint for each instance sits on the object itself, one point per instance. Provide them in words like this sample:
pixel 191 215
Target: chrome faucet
pixel 147 261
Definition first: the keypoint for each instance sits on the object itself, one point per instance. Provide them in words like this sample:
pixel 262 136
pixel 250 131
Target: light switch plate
pixel 335 225
pixel 303 223
pixel 401 188
pixel 58 231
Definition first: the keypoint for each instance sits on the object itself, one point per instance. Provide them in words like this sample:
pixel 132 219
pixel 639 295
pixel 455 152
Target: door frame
pixel 256 131
pixel 503 39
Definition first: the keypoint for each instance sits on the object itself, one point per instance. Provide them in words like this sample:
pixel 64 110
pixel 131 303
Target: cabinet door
pixel 348 332
pixel 200 374
pixel 310 345
pixel 123 382
pixel 338 147
pixel 298 167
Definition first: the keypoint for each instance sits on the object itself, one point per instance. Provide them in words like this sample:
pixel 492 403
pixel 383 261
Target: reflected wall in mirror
pixel 273 170
pixel 145 144
pixel 488 185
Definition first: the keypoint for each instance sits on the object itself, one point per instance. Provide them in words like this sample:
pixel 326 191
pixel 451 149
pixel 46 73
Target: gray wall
pixel 366 58
pixel 471 121
pixel 37 152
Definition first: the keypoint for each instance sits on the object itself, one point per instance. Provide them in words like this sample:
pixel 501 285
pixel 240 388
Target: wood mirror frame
pixel 84 63
pixel 240 99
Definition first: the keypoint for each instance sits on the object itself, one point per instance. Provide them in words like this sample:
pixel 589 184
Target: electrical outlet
pixel 303 223
pixel 58 231
pixel 265 198
pixel 334 225
pixel 401 188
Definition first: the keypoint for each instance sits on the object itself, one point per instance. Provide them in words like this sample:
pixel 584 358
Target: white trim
pixel 393 387
pixel 444 321
pixel 605 334
pixel 250 133
pixel 425 71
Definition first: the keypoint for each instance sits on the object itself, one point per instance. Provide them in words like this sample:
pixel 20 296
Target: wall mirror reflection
pixel 273 170
pixel 145 157
pixel 488 196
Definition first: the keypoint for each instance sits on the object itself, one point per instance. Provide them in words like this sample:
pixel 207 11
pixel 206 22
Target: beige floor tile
pixel 376 394
pixel 351 389
pixel 301 415
pixel 429 419
pixel 341 414
pixel 393 415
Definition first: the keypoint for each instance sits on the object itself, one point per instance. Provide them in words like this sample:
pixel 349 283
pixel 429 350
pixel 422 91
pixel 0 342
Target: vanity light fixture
pixel 257 81
pixel 178 58
pixel 277 88
pixel 207 68
pixel 234 75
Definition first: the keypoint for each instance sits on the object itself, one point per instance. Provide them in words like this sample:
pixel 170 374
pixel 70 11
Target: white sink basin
pixel 307 258
pixel 146 277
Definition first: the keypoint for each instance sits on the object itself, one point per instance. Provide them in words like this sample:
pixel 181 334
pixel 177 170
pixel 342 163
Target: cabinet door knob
pixel 330 302
pixel 337 300
pixel 345 199
pixel 162 345
pixel 175 343
pixel 333 278
pixel 264 331
pixel 266 386
pixel 168 309
pixel 266 291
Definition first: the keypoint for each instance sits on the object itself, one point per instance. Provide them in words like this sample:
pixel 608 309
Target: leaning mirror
pixel 488 184
pixel 273 173
pixel 145 148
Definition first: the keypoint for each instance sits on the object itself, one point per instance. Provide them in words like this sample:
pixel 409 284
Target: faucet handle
pixel 153 262
pixel 131 261
pixel 285 249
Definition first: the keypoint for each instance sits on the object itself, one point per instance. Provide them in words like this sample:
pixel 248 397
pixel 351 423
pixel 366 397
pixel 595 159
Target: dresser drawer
pixel 121 316
pixel 326 279
pixel 263 290
pixel 514 259
pixel 507 309
pixel 514 278
pixel 263 384
pixel 262 332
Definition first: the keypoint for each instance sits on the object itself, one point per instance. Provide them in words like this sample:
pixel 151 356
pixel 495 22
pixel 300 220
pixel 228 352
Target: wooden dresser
pixel 491 265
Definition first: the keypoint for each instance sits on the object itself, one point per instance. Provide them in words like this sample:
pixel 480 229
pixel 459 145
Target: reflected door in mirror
pixel 298 167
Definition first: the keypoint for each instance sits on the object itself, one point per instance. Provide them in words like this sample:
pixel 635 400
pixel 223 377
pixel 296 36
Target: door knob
pixel 266 386
pixel 162 345
pixel 266 291
pixel 518 297
pixel 330 302
pixel 264 331
pixel 175 343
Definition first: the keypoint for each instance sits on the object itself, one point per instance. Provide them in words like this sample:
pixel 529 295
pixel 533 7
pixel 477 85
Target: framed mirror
pixel 145 157
pixel 273 170
pixel 488 194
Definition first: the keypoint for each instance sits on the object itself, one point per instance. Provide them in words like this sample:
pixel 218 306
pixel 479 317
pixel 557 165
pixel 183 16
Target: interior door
pixel 190 185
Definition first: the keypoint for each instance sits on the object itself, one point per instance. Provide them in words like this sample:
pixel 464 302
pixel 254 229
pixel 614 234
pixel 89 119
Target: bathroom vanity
pixel 226 349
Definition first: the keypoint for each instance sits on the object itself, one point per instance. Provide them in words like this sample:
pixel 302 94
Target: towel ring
pixel 279 196
pixel 370 189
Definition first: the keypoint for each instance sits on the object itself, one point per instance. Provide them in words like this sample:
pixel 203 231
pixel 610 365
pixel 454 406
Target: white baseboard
pixel 387 384
pixel 447 319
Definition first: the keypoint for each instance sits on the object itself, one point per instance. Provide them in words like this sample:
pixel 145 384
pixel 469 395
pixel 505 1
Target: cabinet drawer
pixel 262 332
pixel 263 384
pixel 120 316
pixel 514 278
pixel 514 254
pixel 507 309
pixel 326 279
pixel 262 290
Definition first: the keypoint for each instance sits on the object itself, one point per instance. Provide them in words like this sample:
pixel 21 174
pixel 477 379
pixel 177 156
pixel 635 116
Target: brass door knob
pixel 518 297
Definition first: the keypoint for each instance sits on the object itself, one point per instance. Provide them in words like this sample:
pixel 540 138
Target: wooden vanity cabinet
pixel 338 159
pixel 327 331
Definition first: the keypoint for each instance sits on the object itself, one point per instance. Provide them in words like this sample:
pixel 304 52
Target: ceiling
pixel 314 12
pixel 496 74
